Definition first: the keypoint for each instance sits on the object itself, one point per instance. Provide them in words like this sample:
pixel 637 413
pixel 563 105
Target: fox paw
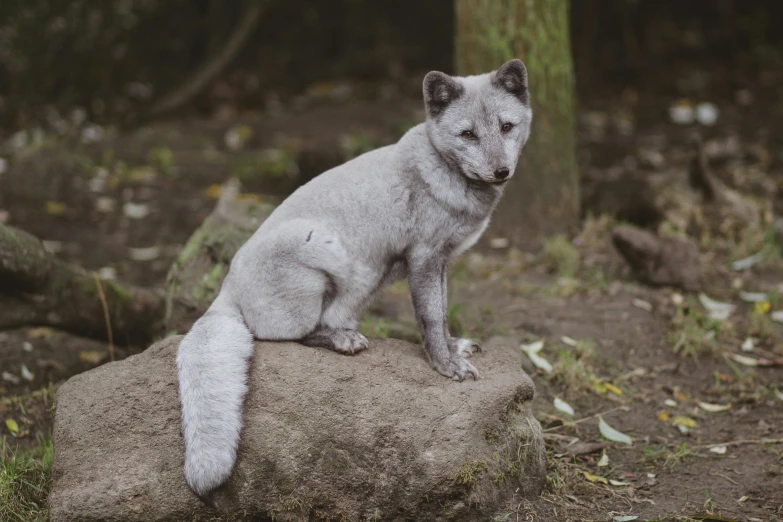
pixel 458 368
pixel 342 340
pixel 349 341
pixel 463 347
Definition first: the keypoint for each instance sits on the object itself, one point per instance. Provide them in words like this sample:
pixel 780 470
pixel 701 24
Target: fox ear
pixel 439 91
pixel 512 77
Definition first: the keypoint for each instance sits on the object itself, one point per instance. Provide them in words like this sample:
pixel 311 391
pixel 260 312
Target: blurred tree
pixel 543 199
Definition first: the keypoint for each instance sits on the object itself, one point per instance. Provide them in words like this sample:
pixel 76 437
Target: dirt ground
pixel 640 358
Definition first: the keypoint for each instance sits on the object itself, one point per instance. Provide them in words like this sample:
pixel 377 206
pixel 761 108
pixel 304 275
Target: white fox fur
pixel 311 268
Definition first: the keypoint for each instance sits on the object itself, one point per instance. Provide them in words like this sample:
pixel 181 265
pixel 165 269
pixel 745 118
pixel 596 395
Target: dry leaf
pixel 41 333
pixel 248 196
pixel 236 137
pixel 26 373
pixel 663 416
pixel 612 388
pixel 715 309
pixel 532 350
pixel 55 208
pixel 714 408
pixel 563 406
pixel 569 341
pixel 720 450
pixel 744 264
pixel 144 254
pixel 753 297
pixel 685 422
pixel 136 210
pixel 594 478
pixel 10 377
pixel 761 307
pixel 620 484
pixel 643 305
pixel 612 434
pixel 91 357
pixel 499 243
pixel 12 426
pixel 604 461
pixel 105 204
pixel 213 191
pixel 742 359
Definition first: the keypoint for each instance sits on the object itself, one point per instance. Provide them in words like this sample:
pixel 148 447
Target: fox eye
pixel 468 135
pixel 506 127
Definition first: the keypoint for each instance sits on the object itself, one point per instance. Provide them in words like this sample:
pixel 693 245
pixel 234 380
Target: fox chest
pixel 466 239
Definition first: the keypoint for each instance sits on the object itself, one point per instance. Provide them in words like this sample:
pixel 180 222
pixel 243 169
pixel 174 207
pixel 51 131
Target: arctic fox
pixel 310 269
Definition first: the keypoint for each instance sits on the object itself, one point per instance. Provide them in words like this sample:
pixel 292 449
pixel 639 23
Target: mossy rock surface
pixel 375 436
pixel 196 276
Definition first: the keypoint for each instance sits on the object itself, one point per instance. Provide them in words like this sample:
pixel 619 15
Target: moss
pixel 293 504
pixel 210 283
pixel 492 436
pixel 498 478
pixel 469 473
pixel 193 246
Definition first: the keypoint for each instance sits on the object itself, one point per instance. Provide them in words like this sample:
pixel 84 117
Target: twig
pixel 105 306
pixel 570 423
pixel 740 443
pixel 721 475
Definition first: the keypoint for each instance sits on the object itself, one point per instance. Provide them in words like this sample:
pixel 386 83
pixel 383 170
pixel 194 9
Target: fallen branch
pixel 205 74
pixel 740 442
pixel 38 289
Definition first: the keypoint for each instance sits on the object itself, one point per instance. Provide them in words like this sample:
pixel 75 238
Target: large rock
pixel 375 436
pixel 657 260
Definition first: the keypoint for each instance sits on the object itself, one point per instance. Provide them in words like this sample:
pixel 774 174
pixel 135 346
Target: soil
pixel 626 331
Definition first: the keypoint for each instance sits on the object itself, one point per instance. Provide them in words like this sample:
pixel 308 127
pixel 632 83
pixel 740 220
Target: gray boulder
pixel 376 436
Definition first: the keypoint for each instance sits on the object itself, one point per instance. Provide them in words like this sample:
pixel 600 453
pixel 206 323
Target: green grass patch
pixel 25 479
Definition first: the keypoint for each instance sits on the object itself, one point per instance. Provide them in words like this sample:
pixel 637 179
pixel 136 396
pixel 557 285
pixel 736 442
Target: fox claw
pixel 458 368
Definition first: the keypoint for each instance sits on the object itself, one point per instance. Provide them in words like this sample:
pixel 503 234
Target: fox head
pixel 479 124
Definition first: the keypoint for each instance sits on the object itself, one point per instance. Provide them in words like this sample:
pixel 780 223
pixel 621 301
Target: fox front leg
pixel 457 345
pixel 426 277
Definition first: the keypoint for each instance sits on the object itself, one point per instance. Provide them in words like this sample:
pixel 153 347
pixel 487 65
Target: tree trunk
pixel 38 289
pixel 543 199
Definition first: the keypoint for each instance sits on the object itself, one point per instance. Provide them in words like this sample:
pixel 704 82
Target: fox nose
pixel 502 173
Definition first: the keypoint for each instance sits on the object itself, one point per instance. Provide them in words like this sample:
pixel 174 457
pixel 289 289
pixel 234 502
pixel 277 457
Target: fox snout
pixel 502 173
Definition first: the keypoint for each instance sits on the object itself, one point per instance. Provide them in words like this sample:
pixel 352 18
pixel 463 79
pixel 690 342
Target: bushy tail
pixel 212 366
